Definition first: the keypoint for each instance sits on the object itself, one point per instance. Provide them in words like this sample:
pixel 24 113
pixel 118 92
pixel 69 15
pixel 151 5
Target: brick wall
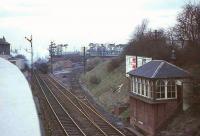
pixel 150 117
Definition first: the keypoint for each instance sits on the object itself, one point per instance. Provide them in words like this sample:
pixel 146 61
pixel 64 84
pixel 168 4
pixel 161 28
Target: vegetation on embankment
pixel 179 45
pixel 108 84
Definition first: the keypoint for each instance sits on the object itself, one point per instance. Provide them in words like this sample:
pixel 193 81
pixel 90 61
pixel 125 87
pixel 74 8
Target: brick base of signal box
pixel 150 116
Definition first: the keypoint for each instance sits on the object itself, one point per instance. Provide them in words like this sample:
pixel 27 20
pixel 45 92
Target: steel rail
pixel 89 108
pixel 68 117
pixel 40 86
pixel 91 121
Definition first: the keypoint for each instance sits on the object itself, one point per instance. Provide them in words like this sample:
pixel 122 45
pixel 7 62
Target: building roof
pixel 58 59
pixel 159 69
pixel 67 64
pixel 3 41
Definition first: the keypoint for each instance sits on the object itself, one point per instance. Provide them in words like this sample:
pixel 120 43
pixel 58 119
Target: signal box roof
pixel 159 69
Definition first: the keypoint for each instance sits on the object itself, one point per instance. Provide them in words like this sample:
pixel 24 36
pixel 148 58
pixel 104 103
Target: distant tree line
pixel 180 43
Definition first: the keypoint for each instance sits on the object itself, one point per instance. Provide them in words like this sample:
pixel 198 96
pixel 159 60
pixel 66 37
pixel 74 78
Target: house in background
pixel 4 47
pixel 60 63
pixel 105 50
pixel 156 94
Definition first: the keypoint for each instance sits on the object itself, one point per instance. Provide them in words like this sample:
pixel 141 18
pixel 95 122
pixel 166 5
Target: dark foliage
pixel 26 68
pixel 188 23
pixel 74 58
pixel 188 56
pixel 92 63
pixel 94 79
pixel 187 30
pixel 20 56
pixel 43 68
pixel 150 44
pixel 113 64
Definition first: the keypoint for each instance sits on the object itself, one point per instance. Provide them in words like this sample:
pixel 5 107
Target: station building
pixel 156 94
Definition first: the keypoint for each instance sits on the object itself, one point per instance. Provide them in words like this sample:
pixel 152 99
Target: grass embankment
pixel 107 90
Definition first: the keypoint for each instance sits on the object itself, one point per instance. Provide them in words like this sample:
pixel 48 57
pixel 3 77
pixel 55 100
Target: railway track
pixel 50 121
pixel 88 110
pixel 86 124
pixel 73 88
pixel 64 123
pixel 73 115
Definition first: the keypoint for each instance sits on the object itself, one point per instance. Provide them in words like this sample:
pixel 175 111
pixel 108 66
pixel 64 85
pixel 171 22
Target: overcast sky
pixel 79 22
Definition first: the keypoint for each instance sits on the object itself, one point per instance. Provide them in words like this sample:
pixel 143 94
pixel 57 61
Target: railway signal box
pixel 156 94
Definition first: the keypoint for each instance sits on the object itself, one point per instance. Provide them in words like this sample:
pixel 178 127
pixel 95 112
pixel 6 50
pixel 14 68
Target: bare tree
pixel 147 42
pixel 141 29
pixel 188 23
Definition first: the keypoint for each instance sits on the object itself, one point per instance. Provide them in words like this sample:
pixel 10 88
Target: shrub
pixel 94 79
pixel 113 64
pixel 43 68
pixel 92 63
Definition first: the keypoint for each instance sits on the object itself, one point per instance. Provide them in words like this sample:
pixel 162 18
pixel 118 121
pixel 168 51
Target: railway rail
pixel 52 126
pixel 72 84
pixel 87 125
pixel 88 110
pixel 73 116
pixel 67 126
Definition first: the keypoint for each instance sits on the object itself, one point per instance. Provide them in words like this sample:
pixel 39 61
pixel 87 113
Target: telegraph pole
pixel 31 42
pixel 84 60
pixel 65 45
pixel 51 47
